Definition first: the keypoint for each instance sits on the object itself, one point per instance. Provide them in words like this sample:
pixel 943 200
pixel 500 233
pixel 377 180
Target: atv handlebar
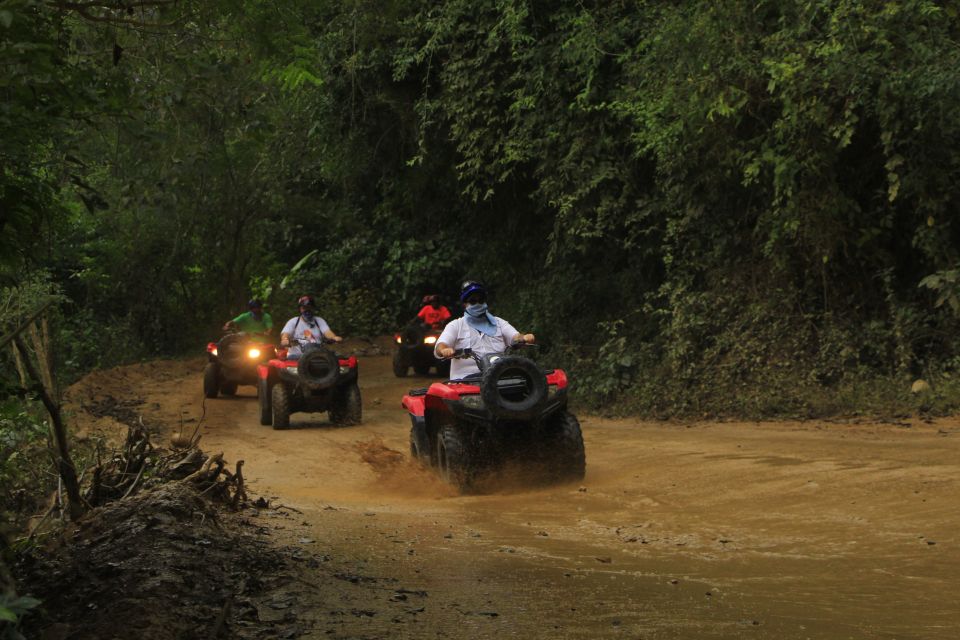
pixel 301 342
pixel 463 354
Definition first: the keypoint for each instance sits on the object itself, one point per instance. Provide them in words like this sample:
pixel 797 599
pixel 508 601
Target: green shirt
pixel 248 324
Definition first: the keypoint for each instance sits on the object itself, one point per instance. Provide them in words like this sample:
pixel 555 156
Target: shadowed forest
pixel 747 208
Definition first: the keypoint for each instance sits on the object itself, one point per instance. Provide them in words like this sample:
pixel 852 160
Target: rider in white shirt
pixel 306 327
pixel 478 330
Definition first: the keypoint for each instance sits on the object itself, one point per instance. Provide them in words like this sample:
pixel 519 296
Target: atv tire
pixel 230 349
pixel 228 388
pixel 318 369
pixel 421 370
pixel 563 450
pixel 280 406
pixel 420 443
pixel 520 400
pixel 400 365
pixel 263 400
pixel 211 380
pixel 345 406
pixel 452 460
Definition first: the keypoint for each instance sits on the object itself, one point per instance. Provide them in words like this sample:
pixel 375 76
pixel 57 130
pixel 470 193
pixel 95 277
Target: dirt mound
pixel 162 564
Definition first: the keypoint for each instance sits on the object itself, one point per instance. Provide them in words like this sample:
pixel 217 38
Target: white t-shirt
pixel 460 335
pixel 308 330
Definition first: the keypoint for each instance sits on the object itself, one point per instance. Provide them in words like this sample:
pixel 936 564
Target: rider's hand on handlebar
pixel 446 352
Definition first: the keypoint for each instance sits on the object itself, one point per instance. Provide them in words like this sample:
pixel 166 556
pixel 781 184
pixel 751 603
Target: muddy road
pixel 680 530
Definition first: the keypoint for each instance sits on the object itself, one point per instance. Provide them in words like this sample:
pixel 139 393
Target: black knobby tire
pixel 346 407
pixel 211 380
pixel 421 370
pixel 263 400
pixel 451 458
pixel 228 388
pixel 400 365
pixel 420 443
pixel 413 335
pixel 564 455
pixel 318 368
pixel 280 406
pixel 514 387
pixel 230 349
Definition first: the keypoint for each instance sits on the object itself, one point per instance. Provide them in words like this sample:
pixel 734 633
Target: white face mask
pixel 477 310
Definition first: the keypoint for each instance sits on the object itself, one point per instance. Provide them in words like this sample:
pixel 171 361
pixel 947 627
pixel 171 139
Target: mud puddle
pixel 706 530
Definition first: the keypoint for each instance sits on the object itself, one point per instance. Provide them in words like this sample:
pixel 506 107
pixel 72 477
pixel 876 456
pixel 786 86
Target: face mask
pixel 308 314
pixel 477 310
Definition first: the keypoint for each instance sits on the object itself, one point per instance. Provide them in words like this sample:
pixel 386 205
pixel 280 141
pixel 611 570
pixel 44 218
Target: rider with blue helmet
pixel 478 330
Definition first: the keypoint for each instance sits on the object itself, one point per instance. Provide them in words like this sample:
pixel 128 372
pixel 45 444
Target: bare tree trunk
pixel 24 380
pixel 42 351
pixel 68 473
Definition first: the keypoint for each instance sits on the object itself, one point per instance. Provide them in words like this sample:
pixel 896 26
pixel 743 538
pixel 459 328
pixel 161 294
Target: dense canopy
pixel 699 206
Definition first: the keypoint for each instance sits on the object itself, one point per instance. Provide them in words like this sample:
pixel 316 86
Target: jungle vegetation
pixel 701 208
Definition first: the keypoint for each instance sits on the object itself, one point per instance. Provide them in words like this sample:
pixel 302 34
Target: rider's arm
pixel 448 337
pixel 330 335
pixel 443 350
pixel 529 338
pixel 287 333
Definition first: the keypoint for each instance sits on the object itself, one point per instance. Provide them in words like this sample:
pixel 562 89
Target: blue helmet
pixel 471 287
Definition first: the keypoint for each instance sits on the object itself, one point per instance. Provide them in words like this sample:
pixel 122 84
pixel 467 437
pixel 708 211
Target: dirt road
pixel 699 530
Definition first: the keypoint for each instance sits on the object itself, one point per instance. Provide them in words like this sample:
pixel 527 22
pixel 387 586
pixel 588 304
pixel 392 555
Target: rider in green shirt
pixel 255 321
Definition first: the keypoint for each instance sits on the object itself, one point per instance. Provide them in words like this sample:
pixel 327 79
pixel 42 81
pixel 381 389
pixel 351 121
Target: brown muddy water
pixel 680 530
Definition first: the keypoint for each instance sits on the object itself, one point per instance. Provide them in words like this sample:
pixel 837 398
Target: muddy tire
pixel 421 370
pixel 452 460
pixel 514 387
pixel 263 401
pixel 228 388
pixel 318 368
pixel 346 407
pixel 564 455
pixel 211 380
pixel 399 365
pixel 280 406
pixel 420 444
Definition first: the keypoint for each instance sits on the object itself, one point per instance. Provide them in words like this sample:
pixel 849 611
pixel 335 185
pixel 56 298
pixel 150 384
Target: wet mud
pixel 839 529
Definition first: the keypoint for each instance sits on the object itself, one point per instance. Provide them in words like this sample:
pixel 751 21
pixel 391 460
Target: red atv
pixel 415 349
pixel 511 410
pixel 233 361
pixel 319 380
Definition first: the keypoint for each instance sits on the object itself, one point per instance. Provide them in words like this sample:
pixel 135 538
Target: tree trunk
pixel 68 473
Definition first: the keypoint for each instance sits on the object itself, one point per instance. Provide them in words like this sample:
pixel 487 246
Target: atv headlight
pixel 214 351
pixel 472 402
pixel 343 370
pixel 430 340
pixel 552 390
pixel 399 339
pixel 254 353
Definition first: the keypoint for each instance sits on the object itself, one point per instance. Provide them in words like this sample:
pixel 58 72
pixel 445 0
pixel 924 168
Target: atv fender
pixel 415 405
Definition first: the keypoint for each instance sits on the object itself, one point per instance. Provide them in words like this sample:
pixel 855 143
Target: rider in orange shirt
pixel 433 313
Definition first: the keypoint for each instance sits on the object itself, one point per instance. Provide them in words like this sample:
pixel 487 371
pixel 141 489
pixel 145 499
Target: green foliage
pixel 13 608
pixel 739 203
